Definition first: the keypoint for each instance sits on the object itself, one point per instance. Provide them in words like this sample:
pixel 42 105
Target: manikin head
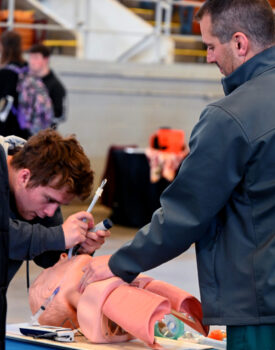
pixel 48 171
pixel 39 56
pixel 65 274
pixel 235 30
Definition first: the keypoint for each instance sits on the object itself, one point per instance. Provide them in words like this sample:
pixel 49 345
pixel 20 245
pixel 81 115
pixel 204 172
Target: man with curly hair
pixel 36 177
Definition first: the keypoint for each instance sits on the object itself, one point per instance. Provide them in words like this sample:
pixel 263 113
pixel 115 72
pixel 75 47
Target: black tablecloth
pixel 129 192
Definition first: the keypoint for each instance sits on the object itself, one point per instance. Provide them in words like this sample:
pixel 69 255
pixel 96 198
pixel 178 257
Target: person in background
pixel 147 5
pixel 36 178
pixel 39 65
pixel 11 54
pixel 186 14
pixel 223 198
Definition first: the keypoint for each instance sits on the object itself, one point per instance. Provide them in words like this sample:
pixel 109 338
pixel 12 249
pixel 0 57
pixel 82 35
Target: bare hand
pixel 94 240
pixel 97 270
pixel 75 228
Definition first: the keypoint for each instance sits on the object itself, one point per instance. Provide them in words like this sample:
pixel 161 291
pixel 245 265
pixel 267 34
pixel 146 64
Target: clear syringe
pixel 35 317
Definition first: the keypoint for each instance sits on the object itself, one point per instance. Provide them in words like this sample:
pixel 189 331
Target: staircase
pixel 102 30
pixel 47 25
pixel 188 48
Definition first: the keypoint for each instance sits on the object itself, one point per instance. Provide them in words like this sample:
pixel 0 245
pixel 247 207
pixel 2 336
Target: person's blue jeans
pixel 186 19
pixel 147 5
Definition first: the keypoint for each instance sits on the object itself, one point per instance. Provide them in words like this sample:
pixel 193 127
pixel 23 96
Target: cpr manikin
pixel 110 310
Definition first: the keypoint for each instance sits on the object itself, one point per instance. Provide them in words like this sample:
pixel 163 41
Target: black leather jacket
pixel 4 243
pixel 223 200
pixel 42 240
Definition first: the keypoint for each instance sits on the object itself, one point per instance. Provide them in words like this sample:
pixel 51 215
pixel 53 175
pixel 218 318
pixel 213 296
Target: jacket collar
pixel 257 65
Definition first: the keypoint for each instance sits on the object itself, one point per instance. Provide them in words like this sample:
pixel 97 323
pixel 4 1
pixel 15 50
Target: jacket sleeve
pixel 219 151
pixel 29 241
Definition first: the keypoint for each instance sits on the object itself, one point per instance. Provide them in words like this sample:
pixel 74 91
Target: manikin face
pixel 65 274
pixel 221 54
pixel 37 63
pixel 39 201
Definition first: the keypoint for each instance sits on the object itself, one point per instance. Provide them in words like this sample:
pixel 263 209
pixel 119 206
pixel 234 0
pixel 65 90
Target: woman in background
pixel 11 62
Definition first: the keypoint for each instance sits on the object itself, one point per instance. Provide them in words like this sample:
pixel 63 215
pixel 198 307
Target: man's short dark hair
pixel 39 48
pixel 254 18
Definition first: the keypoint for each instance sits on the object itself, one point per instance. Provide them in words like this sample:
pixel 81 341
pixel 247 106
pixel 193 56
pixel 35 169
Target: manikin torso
pixel 111 310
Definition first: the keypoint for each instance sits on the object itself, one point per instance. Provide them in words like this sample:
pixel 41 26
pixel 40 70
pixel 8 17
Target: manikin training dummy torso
pixel 111 310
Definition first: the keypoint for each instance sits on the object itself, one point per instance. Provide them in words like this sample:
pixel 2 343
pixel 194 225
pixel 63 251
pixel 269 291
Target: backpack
pixel 35 110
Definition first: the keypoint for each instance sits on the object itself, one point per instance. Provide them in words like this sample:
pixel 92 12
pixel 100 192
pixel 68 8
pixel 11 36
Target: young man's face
pixel 221 54
pixel 40 201
pixel 38 63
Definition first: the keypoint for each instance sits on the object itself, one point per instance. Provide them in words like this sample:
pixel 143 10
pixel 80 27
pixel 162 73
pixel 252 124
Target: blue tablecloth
pixel 19 345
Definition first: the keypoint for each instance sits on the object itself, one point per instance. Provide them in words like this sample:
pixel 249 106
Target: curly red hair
pixel 49 157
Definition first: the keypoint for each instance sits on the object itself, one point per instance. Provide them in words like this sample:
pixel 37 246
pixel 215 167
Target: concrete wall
pixel 124 104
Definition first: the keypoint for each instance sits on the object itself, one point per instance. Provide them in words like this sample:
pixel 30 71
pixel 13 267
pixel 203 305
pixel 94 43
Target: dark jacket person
pixel 223 198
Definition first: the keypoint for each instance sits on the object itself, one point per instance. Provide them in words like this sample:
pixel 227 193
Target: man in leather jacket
pixel 36 177
pixel 223 198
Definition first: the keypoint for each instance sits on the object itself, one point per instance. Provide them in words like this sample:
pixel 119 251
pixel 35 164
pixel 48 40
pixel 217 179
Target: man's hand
pixel 75 229
pixel 94 240
pixel 97 270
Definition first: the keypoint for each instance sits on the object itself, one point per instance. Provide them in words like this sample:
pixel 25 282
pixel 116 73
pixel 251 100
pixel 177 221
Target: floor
pixel 181 271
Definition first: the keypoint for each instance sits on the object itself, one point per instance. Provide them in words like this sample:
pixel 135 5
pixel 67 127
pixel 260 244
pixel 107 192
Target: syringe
pixel 103 225
pixel 93 202
pixel 35 317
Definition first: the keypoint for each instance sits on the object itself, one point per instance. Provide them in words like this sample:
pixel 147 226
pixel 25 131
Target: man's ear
pixel 23 177
pixel 241 44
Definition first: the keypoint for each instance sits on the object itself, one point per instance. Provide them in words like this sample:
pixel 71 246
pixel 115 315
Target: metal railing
pixel 162 23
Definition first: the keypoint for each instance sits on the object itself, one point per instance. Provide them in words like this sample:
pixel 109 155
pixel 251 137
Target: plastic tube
pixel 90 208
